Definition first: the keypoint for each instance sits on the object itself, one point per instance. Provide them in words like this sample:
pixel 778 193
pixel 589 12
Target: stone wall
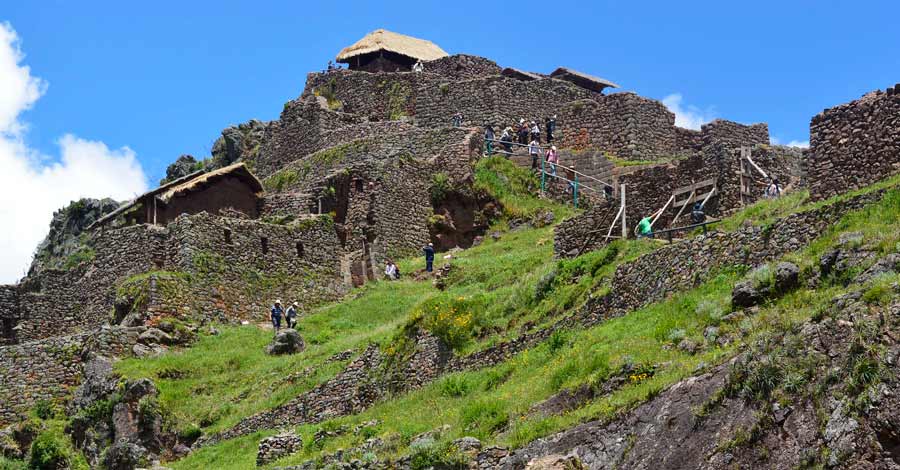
pixel 9 313
pixel 623 124
pixel 462 66
pixel 49 369
pixel 854 144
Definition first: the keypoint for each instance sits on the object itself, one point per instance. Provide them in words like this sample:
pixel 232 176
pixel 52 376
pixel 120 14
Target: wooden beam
pixel 702 205
pixel 661 211
pixel 682 207
pixel 624 219
pixel 618 214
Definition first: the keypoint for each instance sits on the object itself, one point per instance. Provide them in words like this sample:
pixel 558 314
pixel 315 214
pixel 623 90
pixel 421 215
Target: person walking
pixel 644 228
pixel 457 119
pixel 506 139
pixel 535 131
pixel 489 138
pixel 291 315
pixel 773 190
pixel 429 257
pixel 523 132
pixel 276 314
pixel 550 127
pixel 534 149
pixel 552 159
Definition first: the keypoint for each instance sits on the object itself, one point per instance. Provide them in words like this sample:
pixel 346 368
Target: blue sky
pixel 152 80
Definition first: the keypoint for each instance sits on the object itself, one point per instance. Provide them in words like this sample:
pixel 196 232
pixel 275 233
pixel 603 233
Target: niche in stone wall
pixel 8 330
pixel 228 236
pixel 300 250
pixel 359 185
pixel 265 244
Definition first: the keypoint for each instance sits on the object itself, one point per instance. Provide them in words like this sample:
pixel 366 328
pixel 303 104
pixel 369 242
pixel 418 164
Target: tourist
pixel 489 138
pixel 550 126
pixel 523 132
pixel 291 315
pixel 330 66
pixel 418 67
pixel 552 158
pixel 644 228
pixel 773 190
pixel 390 271
pixel 429 257
pixel 534 149
pixel 457 119
pixel 276 314
pixel 697 215
pixel 570 177
pixel 608 192
pixel 535 131
pixel 506 139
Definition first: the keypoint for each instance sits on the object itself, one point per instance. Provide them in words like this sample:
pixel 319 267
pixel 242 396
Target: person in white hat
pixel 291 315
pixel 277 312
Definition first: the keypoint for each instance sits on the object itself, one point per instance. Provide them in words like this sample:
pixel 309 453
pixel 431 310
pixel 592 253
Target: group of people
pixel 523 133
pixel 278 312
pixel 392 272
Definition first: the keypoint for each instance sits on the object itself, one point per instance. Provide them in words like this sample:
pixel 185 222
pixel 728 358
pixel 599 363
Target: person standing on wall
pixel 277 312
pixel 429 257
pixel 291 315
pixel 489 138
pixel 550 126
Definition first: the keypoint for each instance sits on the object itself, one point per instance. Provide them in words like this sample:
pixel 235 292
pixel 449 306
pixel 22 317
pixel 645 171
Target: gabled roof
pixel 383 40
pixel 195 180
pixel 583 80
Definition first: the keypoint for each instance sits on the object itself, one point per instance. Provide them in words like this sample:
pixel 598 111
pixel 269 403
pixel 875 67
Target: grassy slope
pixel 503 276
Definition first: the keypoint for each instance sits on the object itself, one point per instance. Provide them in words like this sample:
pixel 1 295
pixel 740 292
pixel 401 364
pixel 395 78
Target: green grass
pixel 511 278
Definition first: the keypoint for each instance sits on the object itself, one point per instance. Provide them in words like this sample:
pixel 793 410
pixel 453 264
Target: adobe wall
pixel 228 193
pixel 854 144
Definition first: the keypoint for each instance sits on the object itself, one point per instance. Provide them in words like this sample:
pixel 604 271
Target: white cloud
pixel 799 143
pixel 32 185
pixel 687 116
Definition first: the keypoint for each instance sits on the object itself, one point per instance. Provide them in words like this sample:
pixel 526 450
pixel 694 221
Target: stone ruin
pixel 346 172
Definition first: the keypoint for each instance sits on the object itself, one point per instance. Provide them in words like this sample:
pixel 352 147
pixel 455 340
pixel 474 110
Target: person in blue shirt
pixel 429 257
pixel 277 313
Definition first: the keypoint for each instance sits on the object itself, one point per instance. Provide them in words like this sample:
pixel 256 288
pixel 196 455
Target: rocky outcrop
pixel 238 143
pixel 286 342
pixel 183 166
pixel 276 447
pixel 65 244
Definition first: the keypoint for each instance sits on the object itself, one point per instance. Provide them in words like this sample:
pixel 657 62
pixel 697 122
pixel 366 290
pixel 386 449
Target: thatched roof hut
pixel 583 80
pixel 386 51
pixel 233 187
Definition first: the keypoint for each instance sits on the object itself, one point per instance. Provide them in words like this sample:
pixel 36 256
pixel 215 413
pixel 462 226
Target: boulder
pixel 787 277
pixel 155 336
pixel 745 294
pixel 287 341
pixel 467 444
pixel 124 455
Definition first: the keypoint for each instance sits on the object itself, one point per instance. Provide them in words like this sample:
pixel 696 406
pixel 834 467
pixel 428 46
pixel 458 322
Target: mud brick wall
pixel 854 144
pixel 462 66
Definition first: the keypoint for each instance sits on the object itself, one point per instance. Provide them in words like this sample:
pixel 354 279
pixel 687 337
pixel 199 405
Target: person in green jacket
pixel 644 230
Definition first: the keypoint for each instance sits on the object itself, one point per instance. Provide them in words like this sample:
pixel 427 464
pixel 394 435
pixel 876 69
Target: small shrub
pixel 48 452
pixel 544 286
pixel 456 386
pixel 676 335
pixel 496 377
pixel 711 311
pixel 440 186
pixel 44 409
pixel 557 340
pixel 762 277
pixel 562 375
pixel 281 180
pixel 428 454
pixel 452 319
pixel 445 89
pixel 84 254
pixel 190 434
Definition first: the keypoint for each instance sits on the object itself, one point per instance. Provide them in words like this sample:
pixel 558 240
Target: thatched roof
pixel 238 170
pixel 193 181
pixel 382 40
pixel 583 80
pixel 520 74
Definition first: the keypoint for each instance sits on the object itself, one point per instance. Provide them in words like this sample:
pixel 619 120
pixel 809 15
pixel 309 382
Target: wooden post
pixel 624 220
pixel 575 191
pixel 543 174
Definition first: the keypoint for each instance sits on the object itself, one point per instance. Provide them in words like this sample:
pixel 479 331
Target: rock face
pixel 275 447
pixel 238 142
pixel 185 165
pixel 65 242
pixel 286 342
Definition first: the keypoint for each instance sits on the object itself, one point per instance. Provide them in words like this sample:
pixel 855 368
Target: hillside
pixel 548 336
